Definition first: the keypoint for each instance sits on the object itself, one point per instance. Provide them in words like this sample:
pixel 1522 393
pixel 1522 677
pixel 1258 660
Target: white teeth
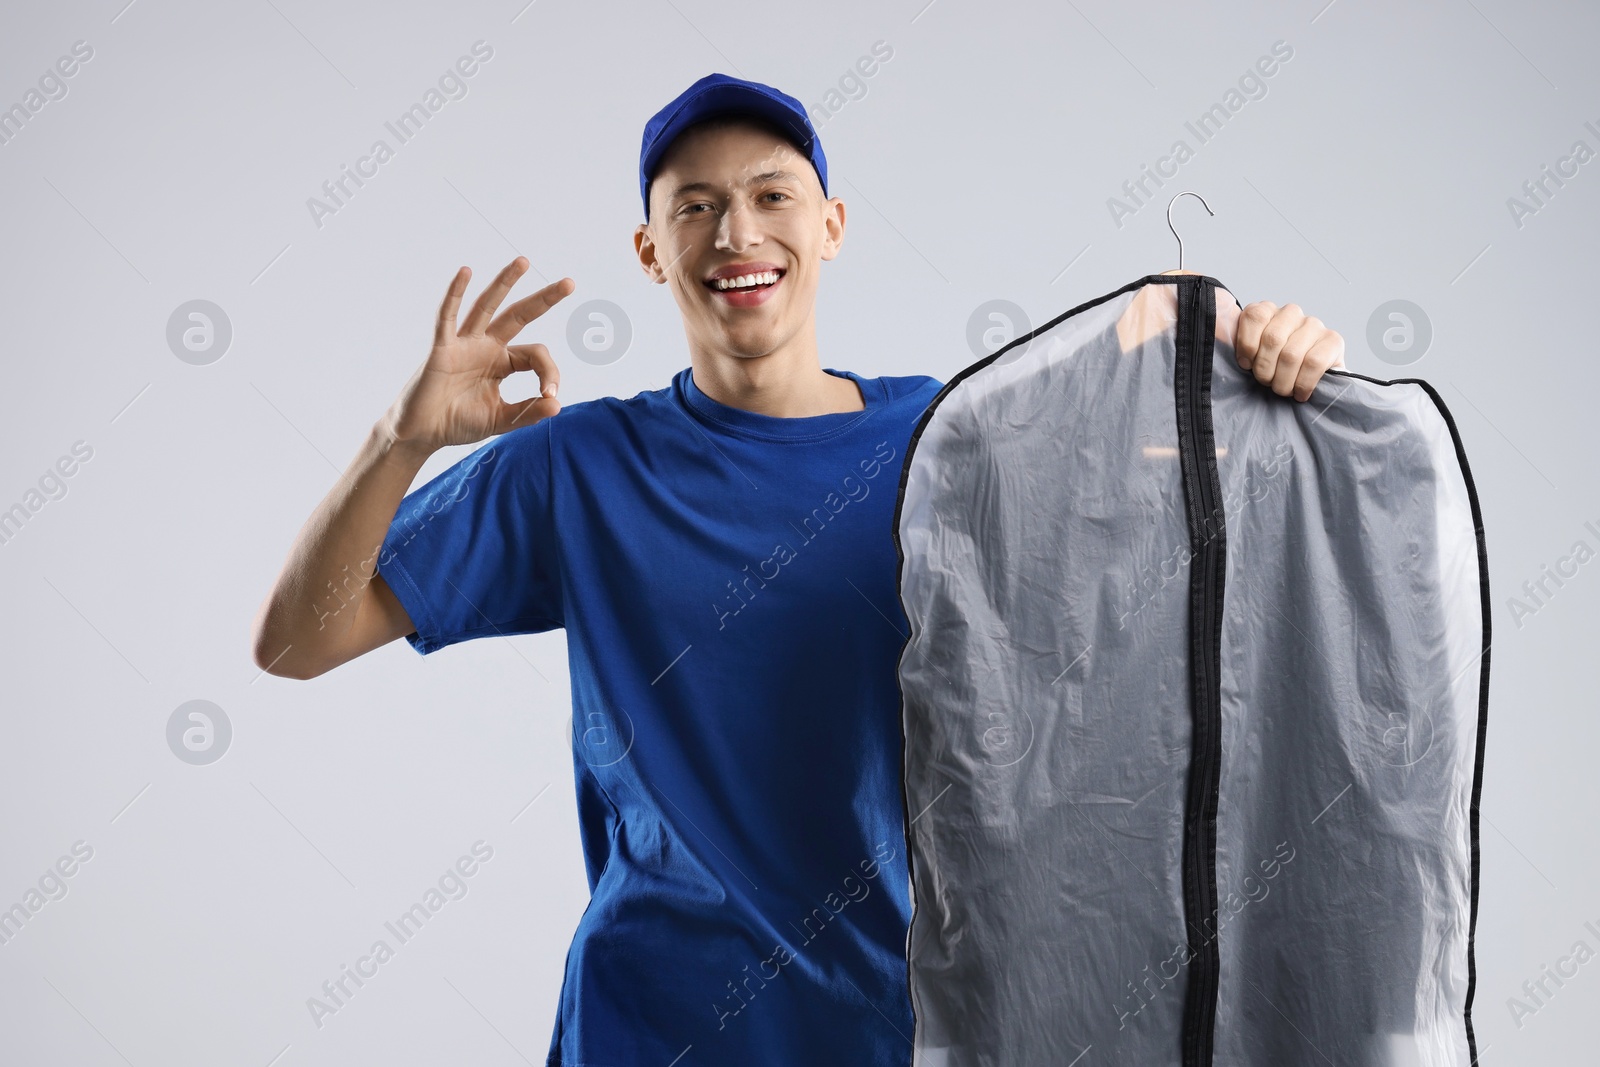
pixel 744 281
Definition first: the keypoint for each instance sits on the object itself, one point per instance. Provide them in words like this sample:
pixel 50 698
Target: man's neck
pixel 788 383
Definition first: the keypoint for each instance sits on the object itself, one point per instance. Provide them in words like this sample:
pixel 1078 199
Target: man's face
pixel 736 199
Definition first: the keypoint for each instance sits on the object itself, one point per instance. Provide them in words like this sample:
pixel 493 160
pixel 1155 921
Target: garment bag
pixel 1193 701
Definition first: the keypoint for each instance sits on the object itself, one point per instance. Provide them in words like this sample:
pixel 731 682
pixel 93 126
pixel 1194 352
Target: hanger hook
pixel 1173 228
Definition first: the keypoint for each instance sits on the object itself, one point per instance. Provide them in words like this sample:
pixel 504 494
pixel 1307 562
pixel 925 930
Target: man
pixel 719 552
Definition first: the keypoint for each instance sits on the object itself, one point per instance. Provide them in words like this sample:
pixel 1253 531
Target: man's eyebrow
pixel 689 187
pixel 754 179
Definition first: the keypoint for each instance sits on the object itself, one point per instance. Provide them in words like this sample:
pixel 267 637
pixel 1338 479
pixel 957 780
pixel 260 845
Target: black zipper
pixel 1202 492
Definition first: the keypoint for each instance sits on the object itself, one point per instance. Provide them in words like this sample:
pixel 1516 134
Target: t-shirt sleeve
pixel 473 552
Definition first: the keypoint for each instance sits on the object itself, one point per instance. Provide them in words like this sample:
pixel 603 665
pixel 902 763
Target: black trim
pixel 1202 494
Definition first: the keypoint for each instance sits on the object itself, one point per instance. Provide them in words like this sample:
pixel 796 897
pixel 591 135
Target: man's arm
pixel 329 605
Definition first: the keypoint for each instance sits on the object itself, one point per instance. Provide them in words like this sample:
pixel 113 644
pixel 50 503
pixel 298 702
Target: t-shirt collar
pixel 774 427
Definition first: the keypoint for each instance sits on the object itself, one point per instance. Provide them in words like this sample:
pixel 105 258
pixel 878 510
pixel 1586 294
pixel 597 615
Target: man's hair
pixel 735 118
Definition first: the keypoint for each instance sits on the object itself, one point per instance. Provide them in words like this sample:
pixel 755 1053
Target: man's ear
pixel 644 246
pixel 833 227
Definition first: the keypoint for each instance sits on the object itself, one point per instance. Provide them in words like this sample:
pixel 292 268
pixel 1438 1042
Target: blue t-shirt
pixel 728 584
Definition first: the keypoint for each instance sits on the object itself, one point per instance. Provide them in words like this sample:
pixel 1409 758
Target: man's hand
pixel 1286 349
pixel 454 397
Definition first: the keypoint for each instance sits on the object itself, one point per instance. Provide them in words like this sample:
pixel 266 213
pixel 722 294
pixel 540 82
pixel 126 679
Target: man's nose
pixel 738 229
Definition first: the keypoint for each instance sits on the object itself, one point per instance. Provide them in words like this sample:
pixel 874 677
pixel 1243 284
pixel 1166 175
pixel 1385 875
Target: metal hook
pixel 1174 229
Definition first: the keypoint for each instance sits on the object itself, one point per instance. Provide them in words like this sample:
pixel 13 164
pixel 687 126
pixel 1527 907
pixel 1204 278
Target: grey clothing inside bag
pixel 1194 699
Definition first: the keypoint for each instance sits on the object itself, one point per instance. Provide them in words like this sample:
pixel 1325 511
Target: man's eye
pixel 776 193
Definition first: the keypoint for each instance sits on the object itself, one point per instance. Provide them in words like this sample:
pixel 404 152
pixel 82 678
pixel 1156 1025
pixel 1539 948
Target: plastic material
pixel 1193 700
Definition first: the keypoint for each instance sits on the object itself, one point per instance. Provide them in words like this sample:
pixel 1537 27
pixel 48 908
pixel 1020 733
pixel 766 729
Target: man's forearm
pixel 313 619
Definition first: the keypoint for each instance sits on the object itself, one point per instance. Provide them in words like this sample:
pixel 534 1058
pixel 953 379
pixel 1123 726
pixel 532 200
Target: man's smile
pixel 745 284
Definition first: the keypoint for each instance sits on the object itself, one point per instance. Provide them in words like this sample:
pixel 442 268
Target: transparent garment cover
pixel 1192 700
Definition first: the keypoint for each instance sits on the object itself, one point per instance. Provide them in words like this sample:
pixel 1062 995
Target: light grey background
pixel 976 165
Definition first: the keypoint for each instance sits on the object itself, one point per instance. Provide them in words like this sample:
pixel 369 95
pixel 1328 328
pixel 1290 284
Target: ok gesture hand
pixel 454 397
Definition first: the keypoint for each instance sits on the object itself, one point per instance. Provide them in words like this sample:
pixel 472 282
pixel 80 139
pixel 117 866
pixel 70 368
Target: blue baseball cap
pixel 719 94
